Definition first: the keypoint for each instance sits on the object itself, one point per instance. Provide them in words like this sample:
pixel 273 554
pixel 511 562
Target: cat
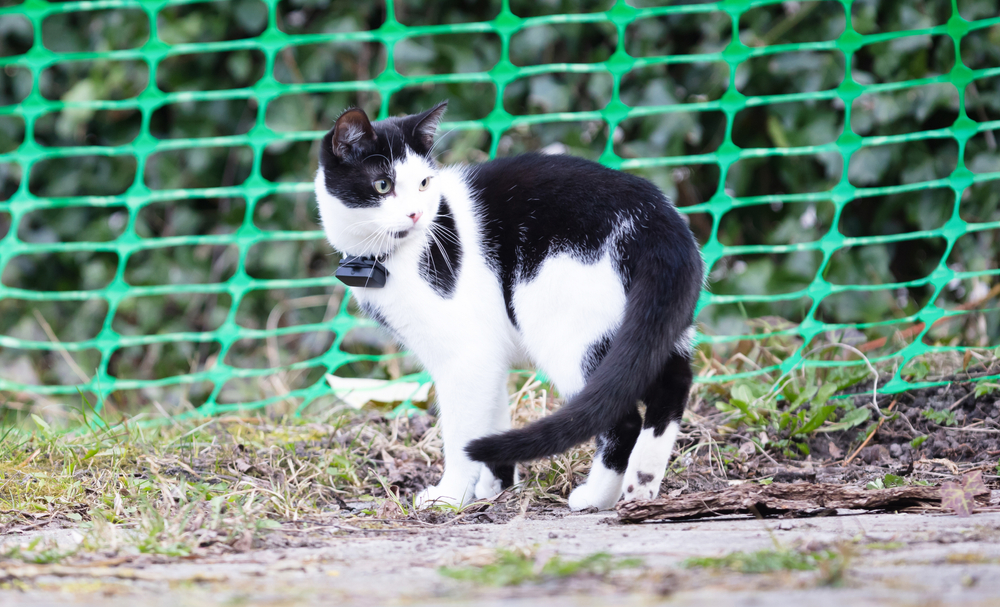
pixel 588 272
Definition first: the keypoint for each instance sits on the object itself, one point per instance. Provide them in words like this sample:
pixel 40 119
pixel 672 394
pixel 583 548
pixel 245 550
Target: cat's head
pixel 376 186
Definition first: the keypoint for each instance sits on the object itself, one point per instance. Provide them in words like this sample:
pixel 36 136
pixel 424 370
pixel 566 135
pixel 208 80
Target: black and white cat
pixel 588 272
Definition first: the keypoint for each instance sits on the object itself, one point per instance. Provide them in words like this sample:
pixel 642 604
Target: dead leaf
pixel 389 509
pixel 241 465
pixel 947 463
pixel 973 483
pixel 357 392
pixel 244 543
pixel 959 496
pixel 954 497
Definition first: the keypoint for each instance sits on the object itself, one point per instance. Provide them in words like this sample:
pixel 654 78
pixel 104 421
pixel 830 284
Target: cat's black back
pixel 532 206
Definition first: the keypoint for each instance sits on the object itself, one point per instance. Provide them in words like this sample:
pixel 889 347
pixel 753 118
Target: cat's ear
pixel 425 125
pixel 353 133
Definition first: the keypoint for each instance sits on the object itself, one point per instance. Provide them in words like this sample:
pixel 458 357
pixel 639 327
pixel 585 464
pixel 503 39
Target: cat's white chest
pixel 438 328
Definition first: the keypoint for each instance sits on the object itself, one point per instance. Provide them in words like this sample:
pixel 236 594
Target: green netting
pixel 273 41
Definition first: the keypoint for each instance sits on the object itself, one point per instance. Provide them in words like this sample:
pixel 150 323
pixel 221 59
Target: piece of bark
pixel 776 498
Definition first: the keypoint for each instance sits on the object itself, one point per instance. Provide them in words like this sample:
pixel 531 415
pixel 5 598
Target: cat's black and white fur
pixel 588 272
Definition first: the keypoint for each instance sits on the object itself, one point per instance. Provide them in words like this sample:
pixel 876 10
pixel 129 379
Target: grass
pixel 762 561
pixel 179 487
pixel 182 487
pixel 832 563
pixel 189 486
pixel 511 567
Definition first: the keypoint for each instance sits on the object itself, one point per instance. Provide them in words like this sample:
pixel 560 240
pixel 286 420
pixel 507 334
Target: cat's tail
pixel 659 309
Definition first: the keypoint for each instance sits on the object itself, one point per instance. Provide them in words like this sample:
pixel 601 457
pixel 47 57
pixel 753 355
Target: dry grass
pixel 180 487
pixel 196 485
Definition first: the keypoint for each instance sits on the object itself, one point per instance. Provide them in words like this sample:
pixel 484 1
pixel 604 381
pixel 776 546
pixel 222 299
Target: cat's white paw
pixel 641 485
pixel 648 463
pixel 588 496
pixel 488 485
pixel 602 489
pixel 442 496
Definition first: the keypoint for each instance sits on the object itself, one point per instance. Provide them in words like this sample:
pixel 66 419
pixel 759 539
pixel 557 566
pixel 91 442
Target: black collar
pixel 364 272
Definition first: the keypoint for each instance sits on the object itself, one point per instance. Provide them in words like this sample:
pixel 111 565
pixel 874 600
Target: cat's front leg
pixel 493 479
pixel 471 402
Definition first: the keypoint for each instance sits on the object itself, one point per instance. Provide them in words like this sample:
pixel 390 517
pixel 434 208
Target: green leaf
pixel 986 388
pixel 943 418
pixel 891 480
pixel 845 377
pixel 41 423
pixel 824 393
pixel 853 418
pixel 917 369
pixel 776 132
pixel 741 397
pixel 804 397
pixel 742 394
pixel 819 416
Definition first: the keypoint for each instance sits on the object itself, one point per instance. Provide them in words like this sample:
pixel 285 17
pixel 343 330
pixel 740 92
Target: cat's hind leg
pixel 603 487
pixel 665 400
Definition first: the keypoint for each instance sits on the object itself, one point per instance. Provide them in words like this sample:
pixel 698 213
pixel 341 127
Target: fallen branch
pixel 777 498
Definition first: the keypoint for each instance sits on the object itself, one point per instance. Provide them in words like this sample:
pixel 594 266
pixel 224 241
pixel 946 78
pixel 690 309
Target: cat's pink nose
pixel 415 217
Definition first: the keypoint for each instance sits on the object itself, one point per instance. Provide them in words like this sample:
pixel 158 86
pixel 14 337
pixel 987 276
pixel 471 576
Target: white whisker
pixel 446 231
pixel 440 247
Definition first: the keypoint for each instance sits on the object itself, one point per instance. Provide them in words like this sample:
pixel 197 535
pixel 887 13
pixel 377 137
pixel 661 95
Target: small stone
pixel 873 454
pixel 895 450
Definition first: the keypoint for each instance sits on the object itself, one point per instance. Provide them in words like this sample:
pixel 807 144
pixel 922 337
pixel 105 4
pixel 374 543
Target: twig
pixel 870 436
pixel 959 401
pixel 968 429
pixel 61 349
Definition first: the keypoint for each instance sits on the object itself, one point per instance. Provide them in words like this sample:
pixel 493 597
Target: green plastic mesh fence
pixel 33 88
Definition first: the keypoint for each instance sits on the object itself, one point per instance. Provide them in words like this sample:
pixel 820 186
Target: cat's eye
pixel 382 186
pixel 423 184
